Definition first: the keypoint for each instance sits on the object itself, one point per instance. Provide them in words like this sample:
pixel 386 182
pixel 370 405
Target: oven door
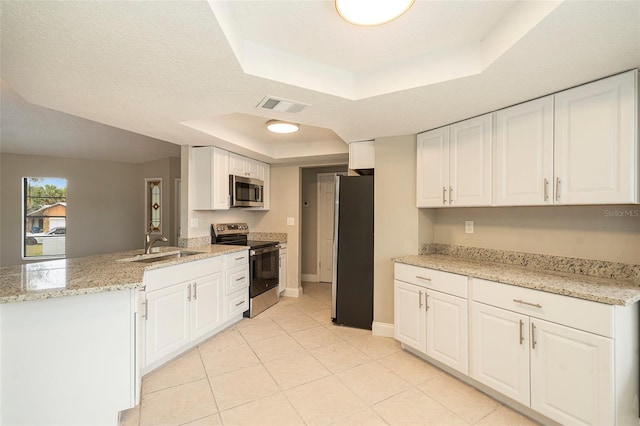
pixel 264 269
pixel 246 192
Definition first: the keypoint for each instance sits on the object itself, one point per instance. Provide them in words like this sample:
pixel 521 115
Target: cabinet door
pixel 523 154
pixel 283 271
pixel 201 190
pixel 447 330
pixel 571 374
pixel 410 315
pixel 433 168
pixel 236 164
pixel 264 171
pixel 500 351
pixel 595 142
pixel 362 155
pixel 251 168
pixel 220 183
pixel 470 162
pixel 167 326
pixel 207 306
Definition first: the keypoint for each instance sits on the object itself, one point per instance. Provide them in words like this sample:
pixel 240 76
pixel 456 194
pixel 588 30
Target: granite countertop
pixel 598 289
pixel 91 274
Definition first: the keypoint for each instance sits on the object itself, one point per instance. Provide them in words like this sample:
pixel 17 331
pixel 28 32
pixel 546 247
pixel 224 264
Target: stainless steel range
pixel 264 262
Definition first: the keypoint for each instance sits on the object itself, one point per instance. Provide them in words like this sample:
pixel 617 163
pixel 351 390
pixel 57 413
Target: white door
pixel 410 315
pixel 500 351
pixel 523 154
pixel 207 304
pixel 571 375
pixel 326 208
pixel 447 330
pixel 168 325
pixel 432 186
pixel 595 157
pixel 470 162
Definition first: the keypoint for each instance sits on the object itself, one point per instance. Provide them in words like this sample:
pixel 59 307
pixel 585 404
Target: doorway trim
pixel 318 245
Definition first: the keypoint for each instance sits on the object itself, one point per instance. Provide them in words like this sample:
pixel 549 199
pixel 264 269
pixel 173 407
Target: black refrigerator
pixel 352 284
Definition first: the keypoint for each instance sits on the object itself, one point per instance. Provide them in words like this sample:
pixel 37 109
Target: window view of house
pixel 45 217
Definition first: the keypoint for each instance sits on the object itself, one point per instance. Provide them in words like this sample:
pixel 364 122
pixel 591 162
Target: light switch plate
pixel 290 221
pixel 468 227
pixel 194 222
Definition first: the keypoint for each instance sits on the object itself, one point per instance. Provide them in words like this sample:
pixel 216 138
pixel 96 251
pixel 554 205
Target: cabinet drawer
pixel 237 279
pixel 237 303
pixel 577 313
pixel 444 282
pixel 240 258
pixel 156 279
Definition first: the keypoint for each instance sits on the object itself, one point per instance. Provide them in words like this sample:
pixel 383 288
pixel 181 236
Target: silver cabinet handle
pixel 426 301
pixel 145 315
pixel 240 303
pixel 546 189
pixel 521 335
pixel 450 194
pixel 420 299
pixel 533 336
pixel 240 279
pixel 239 258
pixel 423 278
pixel 444 195
pixel 535 305
pixel 557 189
pixel 189 294
pixel 195 291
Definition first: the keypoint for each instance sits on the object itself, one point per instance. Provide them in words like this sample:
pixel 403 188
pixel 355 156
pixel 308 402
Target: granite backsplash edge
pixel 596 268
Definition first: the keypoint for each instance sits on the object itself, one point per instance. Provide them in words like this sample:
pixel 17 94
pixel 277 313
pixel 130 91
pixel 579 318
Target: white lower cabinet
pixel 561 372
pixel 431 321
pixel 187 303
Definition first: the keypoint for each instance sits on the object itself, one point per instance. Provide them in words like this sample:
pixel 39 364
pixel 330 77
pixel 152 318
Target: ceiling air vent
pixel 282 105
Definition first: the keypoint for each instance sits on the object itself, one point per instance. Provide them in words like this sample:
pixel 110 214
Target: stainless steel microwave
pixel 246 192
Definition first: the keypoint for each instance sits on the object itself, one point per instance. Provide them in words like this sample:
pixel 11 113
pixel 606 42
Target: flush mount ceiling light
pixel 277 126
pixel 367 13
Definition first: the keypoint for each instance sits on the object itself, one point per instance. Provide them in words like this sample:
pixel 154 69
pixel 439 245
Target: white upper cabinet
pixel 596 150
pixel 433 168
pixel 209 180
pixel 243 166
pixel 362 155
pixel 470 162
pixel 454 164
pixel 579 146
pixel 523 154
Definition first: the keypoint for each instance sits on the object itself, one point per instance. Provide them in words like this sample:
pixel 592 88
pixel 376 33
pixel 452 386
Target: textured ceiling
pixel 167 70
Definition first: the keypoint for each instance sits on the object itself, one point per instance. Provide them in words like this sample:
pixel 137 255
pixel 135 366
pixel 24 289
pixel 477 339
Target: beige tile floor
pixel 292 366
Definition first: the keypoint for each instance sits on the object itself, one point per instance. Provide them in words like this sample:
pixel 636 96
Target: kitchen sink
pixel 144 258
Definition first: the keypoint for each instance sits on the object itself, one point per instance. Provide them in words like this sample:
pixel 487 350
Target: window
pixel 44 217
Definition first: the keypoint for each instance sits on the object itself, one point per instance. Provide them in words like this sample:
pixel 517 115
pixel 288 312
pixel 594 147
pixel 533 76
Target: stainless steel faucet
pixel 149 242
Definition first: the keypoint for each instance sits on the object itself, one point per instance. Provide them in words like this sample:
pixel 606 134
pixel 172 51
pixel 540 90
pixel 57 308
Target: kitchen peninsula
pixel 70 332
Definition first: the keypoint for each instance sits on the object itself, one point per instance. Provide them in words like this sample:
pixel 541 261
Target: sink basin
pixel 170 256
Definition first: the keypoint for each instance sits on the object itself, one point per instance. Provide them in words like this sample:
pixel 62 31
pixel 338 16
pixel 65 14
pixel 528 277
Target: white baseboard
pixel 312 278
pixel 292 292
pixel 382 329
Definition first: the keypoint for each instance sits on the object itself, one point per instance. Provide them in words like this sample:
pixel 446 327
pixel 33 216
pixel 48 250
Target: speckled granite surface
pixel 91 274
pixel 596 268
pixel 194 242
pixel 612 291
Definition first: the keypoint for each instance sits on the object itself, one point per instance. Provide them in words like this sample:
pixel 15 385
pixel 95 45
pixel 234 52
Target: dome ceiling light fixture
pixel 368 13
pixel 278 126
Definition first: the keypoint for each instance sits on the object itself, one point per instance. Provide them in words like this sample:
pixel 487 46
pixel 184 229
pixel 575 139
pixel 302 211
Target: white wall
pixel 396 216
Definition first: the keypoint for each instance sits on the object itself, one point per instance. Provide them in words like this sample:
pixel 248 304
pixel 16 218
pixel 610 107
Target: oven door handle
pixel 264 250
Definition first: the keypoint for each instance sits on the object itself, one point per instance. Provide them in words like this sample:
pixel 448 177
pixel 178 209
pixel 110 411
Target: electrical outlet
pixel 468 227
pixel 194 222
pixel 290 221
